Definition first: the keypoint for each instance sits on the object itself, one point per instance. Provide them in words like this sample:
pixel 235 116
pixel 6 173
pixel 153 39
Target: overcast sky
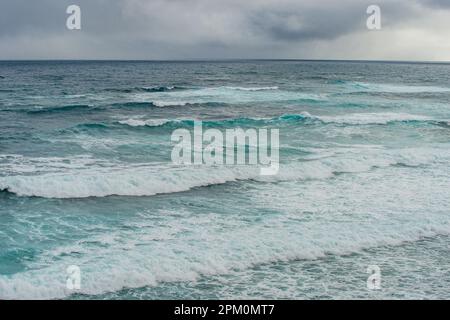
pixel 216 29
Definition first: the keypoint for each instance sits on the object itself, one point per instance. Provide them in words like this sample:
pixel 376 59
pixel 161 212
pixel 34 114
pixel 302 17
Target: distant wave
pixel 189 122
pixel 181 97
pixel 372 118
pixel 253 88
pixel 227 95
pixel 362 118
pixel 347 119
pixel 118 105
pixel 161 104
pixel 179 88
pixel 149 122
pixel 209 123
pixel 76 107
pixel 387 88
pixel 146 89
pixel 170 103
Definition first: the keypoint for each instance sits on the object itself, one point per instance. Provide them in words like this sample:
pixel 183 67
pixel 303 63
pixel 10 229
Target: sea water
pixel 87 180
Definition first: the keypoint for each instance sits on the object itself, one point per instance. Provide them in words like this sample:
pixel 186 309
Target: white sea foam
pixel 350 119
pixel 223 95
pixel 170 103
pixel 149 122
pixel 253 88
pixel 148 254
pixel 142 181
pixel 149 180
pixel 369 118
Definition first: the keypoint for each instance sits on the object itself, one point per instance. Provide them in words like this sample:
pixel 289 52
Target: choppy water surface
pixel 86 179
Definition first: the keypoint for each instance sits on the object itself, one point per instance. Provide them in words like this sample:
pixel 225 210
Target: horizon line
pixel 229 60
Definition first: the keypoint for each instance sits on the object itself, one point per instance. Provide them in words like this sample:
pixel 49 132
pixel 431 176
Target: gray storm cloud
pixel 213 29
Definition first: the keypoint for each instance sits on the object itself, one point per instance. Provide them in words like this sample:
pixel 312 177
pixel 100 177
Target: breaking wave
pixel 68 108
pixel 146 89
pixel 151 180
pixel 348 119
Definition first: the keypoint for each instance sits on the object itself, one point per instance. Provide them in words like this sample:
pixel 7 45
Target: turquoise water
pixel 86 179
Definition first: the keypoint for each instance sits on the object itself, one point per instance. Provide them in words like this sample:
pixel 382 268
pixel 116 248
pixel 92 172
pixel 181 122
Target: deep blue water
pixel 86 179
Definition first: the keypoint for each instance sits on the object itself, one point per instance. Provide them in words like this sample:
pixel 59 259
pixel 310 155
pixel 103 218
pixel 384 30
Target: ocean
pixel 87 181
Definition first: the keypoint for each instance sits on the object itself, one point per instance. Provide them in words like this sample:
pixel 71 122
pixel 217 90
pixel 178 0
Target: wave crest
pixel 151 180
pixel 348 119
